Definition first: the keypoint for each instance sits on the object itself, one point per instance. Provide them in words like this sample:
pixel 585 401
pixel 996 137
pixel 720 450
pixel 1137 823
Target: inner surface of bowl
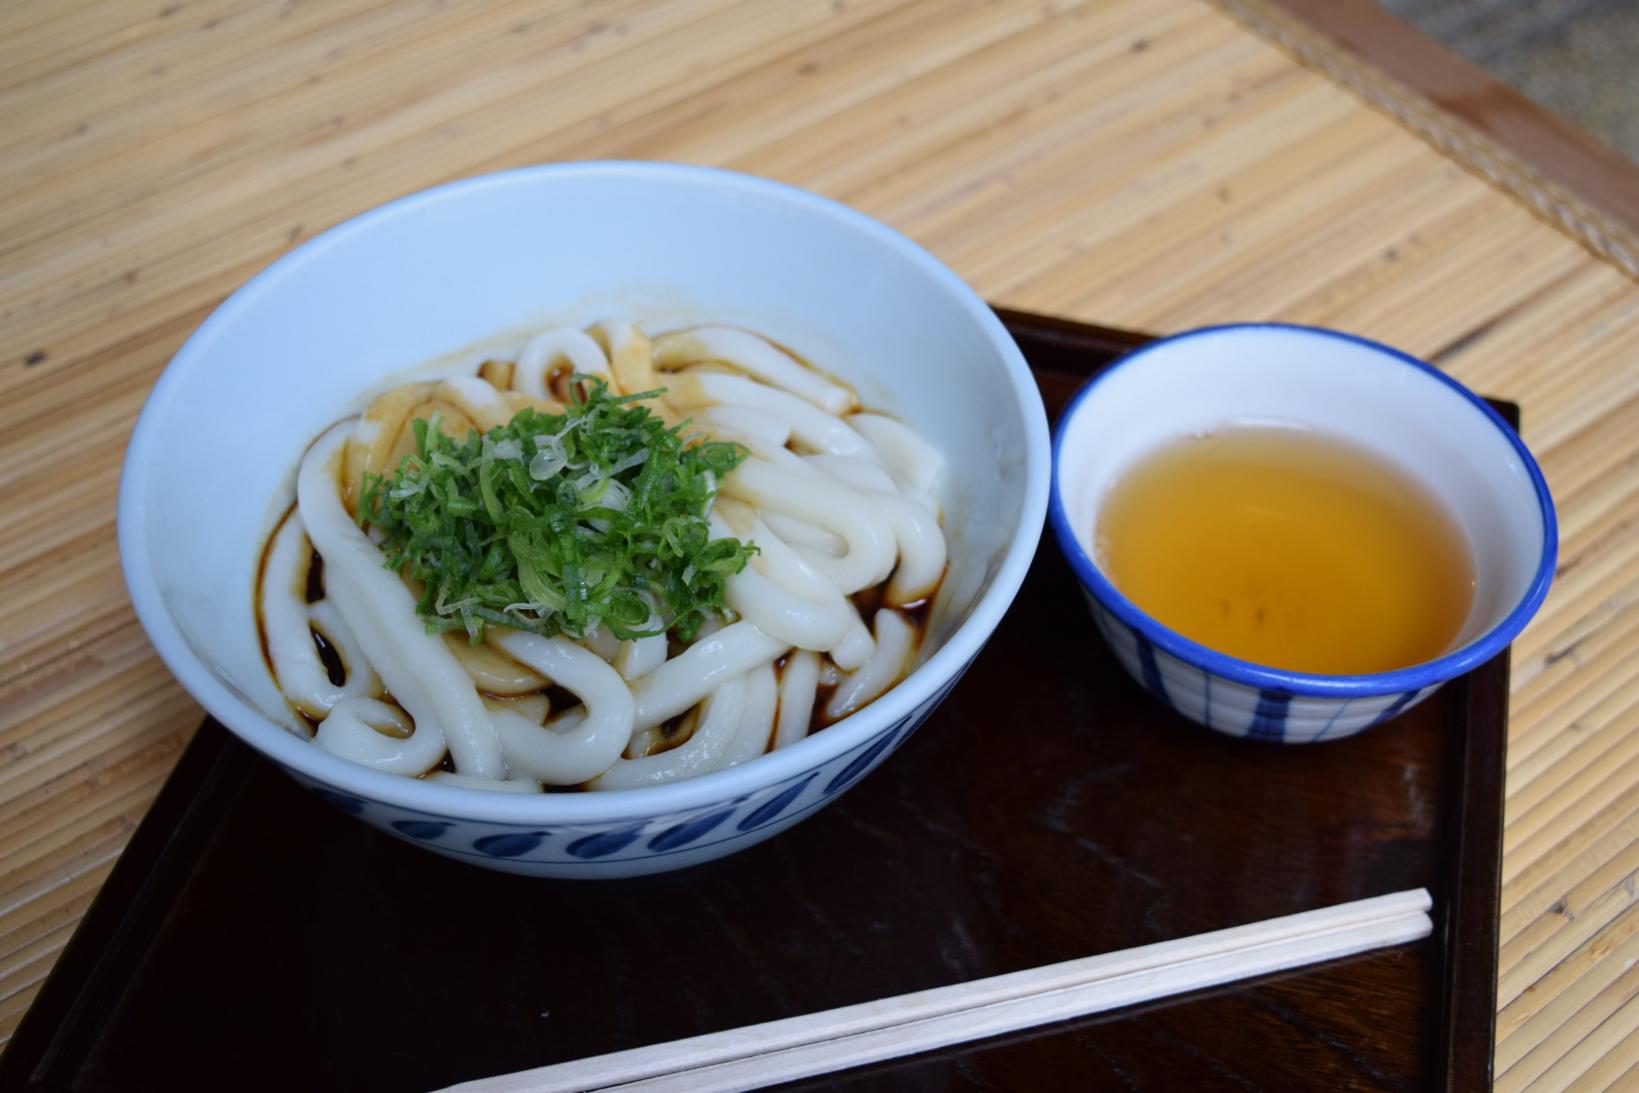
pixel 1350 388
pixel 468 270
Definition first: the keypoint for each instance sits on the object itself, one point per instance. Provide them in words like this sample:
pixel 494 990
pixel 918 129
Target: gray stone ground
pixel 1578 58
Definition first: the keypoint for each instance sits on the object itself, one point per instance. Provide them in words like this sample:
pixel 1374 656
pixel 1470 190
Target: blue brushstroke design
pixel 1269 719
pixel 510 845
pixel 1394 708
pixel 858 766
pixel 686 833
pixel 768 810
pixel 1149 669
pixel 421 829
pixel 351 805
pixel 1326 731
pixel 603 843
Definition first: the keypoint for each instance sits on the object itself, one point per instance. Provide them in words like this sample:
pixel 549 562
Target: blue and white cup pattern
pixel 1257 713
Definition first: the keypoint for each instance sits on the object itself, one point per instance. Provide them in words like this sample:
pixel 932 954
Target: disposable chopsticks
pixel 819 1043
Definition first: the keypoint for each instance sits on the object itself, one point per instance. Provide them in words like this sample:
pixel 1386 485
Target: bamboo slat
pixel 1144 163
pixel 1598 1063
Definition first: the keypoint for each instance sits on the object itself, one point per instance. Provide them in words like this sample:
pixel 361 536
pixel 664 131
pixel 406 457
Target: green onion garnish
pixel 554 523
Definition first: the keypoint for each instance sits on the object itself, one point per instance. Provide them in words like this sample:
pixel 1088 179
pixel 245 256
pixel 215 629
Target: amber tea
pixel 1289 548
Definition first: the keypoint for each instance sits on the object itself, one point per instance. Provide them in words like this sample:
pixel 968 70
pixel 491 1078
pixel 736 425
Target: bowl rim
pixel 223 703
pixel 1400 680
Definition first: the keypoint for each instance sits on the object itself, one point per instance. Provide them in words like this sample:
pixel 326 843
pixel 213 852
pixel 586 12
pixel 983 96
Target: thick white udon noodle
pixel 836 500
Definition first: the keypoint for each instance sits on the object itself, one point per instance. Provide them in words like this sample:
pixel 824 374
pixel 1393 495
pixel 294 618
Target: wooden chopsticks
pixel 818 1043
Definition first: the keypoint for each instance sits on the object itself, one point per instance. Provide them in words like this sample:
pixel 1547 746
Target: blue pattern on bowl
pixel 350 805
pixel 859 765
pixel 603 843
pixel 421 829
pixel 639 844
pixel 684 834
pixel 510 845
pixel 762 814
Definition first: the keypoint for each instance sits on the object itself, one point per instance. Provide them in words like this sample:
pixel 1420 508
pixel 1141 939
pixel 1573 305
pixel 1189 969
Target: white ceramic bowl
pixel 1406 411
pixel 476 265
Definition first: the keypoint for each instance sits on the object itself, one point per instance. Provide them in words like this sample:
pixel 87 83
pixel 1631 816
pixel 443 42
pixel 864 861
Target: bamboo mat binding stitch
pixel 1461 142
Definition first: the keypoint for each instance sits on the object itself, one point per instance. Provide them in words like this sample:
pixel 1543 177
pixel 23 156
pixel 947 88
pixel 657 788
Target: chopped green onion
pixel 555 523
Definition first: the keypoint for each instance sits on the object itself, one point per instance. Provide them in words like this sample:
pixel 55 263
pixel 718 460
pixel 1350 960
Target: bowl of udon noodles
pixel 586 520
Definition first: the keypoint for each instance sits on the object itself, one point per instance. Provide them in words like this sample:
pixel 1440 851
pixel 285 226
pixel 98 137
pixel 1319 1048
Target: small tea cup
pixel 1392 404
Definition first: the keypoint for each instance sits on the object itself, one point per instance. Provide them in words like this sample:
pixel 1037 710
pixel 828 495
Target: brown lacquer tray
pixel 253 937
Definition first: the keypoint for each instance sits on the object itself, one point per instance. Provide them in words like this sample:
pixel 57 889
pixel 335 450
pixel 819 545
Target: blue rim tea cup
pixel 1408 412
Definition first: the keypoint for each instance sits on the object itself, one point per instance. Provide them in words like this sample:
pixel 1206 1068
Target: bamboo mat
pixel 1143 163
